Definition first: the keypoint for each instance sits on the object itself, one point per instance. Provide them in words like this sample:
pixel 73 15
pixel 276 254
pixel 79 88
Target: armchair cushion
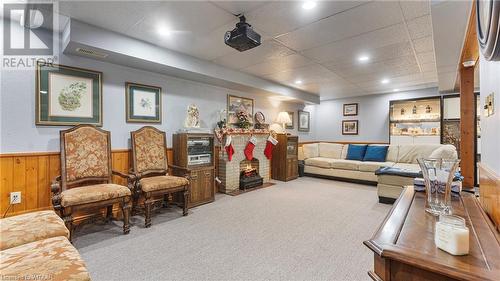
pixel 93 193
pixel 54 258
pixel 162 182
pixel 30 227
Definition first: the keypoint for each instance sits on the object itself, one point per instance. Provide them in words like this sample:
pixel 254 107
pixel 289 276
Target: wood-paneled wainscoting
pixel 32 174
pixel 489 190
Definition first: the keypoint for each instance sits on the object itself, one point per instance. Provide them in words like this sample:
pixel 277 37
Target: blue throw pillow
pixel 376 153
pixel 356 152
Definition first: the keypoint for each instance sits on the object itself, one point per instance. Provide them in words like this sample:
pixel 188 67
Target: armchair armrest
pixel 131 177
pixel 55 188
pixel 181 171
pixel 175 167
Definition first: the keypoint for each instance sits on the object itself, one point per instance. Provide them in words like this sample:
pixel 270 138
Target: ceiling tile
pixel 280 17
pixel 278 64
pixel 429 67
pixel 415 9
pixel 423 45
pixel 362 44
pixel 308 74
pixel 364 18
pixel 427 57
pixel 267 50
pixel 420 27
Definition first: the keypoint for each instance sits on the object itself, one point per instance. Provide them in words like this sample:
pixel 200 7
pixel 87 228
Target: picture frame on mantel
pixel 350 109
pixel 235 104
pixel 350 127
pixel 304 121
pixel 66 96
pixel 143 103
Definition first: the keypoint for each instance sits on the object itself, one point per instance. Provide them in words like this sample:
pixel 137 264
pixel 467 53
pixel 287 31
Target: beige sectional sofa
pixel 329 160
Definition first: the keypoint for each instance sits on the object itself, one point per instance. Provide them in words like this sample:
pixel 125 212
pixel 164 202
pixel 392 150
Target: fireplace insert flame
pixel 249 178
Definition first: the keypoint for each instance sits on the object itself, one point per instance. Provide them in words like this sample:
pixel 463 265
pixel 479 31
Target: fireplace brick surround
pixel 229 171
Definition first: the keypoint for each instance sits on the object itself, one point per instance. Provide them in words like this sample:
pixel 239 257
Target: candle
pixel 451 235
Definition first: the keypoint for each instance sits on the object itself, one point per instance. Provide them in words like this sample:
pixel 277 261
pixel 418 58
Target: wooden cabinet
pixel 200 149
pixel 285 164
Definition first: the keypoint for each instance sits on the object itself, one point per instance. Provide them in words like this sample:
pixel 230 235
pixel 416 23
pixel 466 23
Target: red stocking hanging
pixel 270 144
pixel 249 148
pixel 229 147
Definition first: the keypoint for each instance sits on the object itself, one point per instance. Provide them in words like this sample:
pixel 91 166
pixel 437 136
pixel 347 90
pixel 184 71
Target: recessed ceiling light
pixel 164 31
pixel 308 5
pixel 395 90
pixel 384 81
pixel 364 58
pixel 298 81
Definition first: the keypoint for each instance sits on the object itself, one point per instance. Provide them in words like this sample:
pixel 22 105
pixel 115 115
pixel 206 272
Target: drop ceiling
pixel 320 47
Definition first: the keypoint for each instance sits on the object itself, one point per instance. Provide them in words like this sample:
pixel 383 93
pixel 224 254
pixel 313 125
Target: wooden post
pixel 467 125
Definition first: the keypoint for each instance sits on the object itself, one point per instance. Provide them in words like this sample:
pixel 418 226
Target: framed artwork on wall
pixel 350 109
pixel 238 104
pixel 291 125
pixel 67 95
pixel 143 103
pixel 349 127
pixel 304 118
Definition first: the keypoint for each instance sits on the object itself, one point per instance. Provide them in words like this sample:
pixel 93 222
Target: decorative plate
pixel 259 117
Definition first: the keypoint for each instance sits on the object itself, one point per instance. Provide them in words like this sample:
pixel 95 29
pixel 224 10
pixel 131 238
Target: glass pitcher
pixel 438 177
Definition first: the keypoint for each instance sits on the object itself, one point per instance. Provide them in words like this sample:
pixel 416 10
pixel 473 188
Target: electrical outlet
pixel 15 197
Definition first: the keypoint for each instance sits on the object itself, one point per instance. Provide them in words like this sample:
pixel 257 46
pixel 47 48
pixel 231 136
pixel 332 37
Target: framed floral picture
pixel 291 125
pixel 350 109
pixel 349 127
pixel 304 121
pixel 67 95
pixel 238 104
pixel 143 103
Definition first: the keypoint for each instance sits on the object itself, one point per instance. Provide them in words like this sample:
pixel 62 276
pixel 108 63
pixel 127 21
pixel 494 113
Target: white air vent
pixel 91 53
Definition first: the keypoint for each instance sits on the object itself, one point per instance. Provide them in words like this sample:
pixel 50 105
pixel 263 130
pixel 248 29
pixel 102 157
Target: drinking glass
pixel 438 176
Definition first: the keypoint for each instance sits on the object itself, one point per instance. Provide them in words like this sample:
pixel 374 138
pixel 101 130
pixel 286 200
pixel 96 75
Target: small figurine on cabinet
pixel 222 119
pixel 193 117
pixel 428 109
pixel 414 110
pixel 402 111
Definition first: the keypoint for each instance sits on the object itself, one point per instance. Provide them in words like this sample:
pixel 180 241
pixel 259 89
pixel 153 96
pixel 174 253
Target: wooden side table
pixel 404 248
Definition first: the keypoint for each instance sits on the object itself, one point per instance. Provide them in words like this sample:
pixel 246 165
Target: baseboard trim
pixel 341 179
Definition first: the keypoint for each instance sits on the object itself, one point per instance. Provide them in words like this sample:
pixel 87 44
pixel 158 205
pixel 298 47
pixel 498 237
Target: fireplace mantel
pixel 220 133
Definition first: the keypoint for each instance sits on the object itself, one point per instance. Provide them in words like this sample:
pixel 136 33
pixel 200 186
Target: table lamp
pixel 283 118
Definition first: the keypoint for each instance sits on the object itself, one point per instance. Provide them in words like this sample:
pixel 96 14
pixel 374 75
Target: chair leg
pixel 185 207
pixel 109 213
pixel 68 221
pixel 148 204
pixel 135 203
pixel 126 212
pixel 165 201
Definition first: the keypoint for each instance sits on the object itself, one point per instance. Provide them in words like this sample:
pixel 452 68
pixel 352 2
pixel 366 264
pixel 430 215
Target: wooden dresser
pixel 202 175
pixel 285 163
pixel 404 246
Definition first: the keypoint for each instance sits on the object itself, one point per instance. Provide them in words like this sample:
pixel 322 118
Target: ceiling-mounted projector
pixel 242 37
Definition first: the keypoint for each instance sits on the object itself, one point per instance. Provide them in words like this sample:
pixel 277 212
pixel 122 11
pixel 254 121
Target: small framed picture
pixel 291 125
pixel 304 121
pixel 143 103
pixel 349 127
pixel 350 109
pixel 67 95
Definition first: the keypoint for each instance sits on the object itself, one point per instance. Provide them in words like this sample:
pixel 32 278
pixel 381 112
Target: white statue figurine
pixel 193 117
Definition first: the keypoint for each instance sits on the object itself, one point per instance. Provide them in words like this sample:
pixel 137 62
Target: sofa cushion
pixel 446 151
pixel 310 150
pixel 30 227
pixel 370 166
pixel 93 193
pixel 321 162
pixel 162 182
pixel 392 153
pixel 330 150
pixel 344 151
pixel 376 153
pixel 407 166
pixel 410 153
pixel 356 152
pixel 54 258
pixel 346 164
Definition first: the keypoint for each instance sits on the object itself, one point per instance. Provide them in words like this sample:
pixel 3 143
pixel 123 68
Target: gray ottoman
pixel 391 182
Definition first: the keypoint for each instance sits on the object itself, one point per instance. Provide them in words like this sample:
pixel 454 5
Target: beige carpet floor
pixel 306 229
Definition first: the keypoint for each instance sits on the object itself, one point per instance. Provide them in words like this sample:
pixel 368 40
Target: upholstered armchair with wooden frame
pixel 86 176
pixel 150 170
